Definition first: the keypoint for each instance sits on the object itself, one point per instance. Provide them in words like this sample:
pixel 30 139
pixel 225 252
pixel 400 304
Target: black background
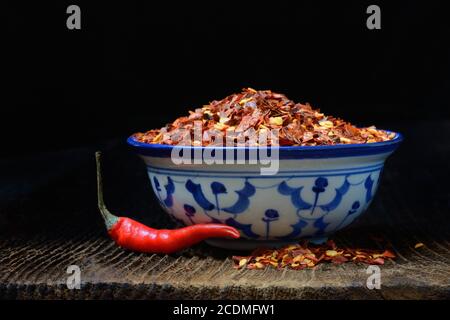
pixel 136 66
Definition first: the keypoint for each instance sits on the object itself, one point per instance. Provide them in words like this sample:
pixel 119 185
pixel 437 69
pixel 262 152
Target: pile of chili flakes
pixel 303 255
pixel 298 124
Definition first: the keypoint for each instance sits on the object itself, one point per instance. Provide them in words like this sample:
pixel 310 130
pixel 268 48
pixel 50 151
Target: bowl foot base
pixel 244 244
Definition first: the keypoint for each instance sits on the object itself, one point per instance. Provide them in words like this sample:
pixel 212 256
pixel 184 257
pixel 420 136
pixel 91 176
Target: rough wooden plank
pixel 43 269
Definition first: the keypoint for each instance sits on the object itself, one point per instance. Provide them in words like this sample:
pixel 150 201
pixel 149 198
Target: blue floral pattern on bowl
pixel 315 193
pixel 320 205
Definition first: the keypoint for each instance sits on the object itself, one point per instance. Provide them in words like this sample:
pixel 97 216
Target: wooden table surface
pixel 49 220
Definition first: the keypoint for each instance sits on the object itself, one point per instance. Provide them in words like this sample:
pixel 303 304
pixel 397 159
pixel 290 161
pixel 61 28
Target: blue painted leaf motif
pixel 284 189
pixel 245 228
pixel 319 186
pixel 355 207
pixel 340 192
pixel 157 185
pixel 189 210
pixel 196 191
pixel 170 189
pixel 170 186
pixel 321 225
pixel 218 187
pixel 368 185
pixel 272 214
pixel 243 202
pixel 295 194
pixel 296 232
pixel 269 216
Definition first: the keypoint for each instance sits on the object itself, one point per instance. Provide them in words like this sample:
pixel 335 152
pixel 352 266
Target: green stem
pixel 108 217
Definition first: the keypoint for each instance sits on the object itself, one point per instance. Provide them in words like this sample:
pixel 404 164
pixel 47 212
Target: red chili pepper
pixel 135 236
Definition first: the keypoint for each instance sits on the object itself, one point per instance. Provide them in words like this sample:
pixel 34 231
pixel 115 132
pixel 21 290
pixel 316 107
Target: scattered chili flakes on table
pixel 298 124
pixel 303 255
pixel 418 245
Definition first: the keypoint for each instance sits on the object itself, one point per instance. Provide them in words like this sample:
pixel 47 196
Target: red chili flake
pixel 299 124
pixel 304 255
pixel 388 254
pixel 376 261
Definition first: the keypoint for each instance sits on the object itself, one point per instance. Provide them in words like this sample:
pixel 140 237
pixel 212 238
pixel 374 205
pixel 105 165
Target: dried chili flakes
pixel 298 124
pixel 303 255
pixel 418 245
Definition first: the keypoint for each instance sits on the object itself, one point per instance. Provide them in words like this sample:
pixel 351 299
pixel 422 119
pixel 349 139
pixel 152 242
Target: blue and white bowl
pixel 317 191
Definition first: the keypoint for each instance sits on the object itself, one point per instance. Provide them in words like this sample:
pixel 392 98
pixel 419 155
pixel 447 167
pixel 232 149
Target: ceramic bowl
pixel 316 191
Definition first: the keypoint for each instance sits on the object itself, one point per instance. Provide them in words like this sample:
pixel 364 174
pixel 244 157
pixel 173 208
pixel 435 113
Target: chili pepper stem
pixel 108 217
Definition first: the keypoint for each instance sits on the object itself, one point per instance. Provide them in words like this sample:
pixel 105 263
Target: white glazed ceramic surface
pixel 307 198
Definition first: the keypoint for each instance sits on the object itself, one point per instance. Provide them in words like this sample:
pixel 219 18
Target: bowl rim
pixel 337 150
